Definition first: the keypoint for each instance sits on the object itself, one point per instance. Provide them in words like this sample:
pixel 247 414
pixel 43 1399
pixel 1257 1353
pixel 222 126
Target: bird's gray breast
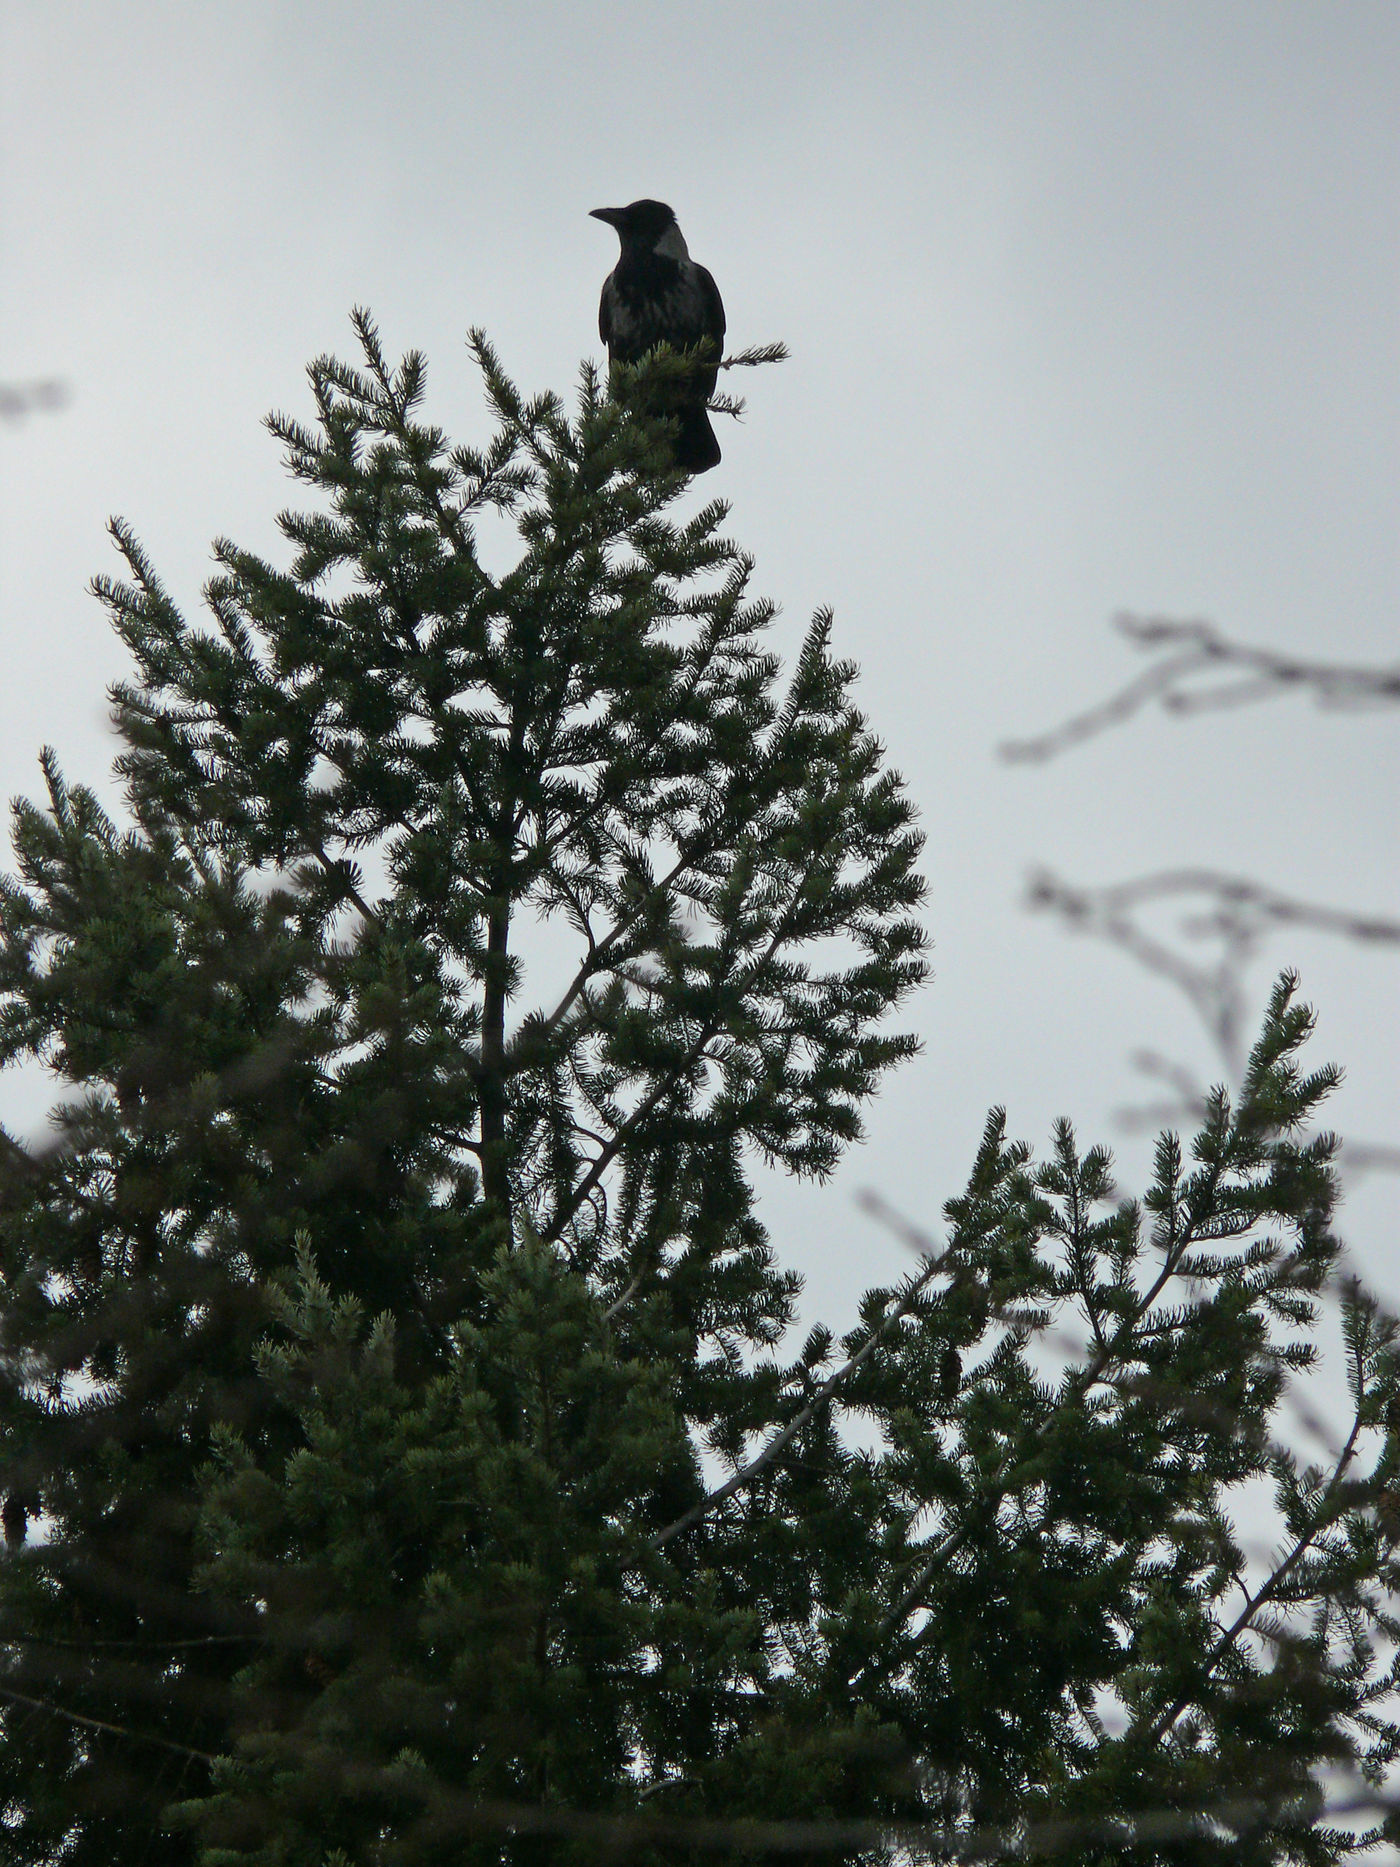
pixel 672 313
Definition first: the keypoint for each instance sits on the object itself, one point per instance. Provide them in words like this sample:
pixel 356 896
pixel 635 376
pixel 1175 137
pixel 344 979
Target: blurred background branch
pixel 1197 670
pixel 18 399
pixel 1209 925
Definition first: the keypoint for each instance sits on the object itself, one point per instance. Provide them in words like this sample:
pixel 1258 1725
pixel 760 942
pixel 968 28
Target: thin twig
pixel 1197 648
pixel 101 1724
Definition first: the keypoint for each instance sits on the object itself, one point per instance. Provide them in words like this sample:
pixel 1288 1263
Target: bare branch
pixel 1201 669
pixel 101 1724
pixel 1228 909
pixel 18 399
pixel 1369 1157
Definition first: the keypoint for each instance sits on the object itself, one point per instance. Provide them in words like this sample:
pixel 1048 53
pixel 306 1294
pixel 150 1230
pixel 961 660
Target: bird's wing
pixel 605 312
pixel 713 303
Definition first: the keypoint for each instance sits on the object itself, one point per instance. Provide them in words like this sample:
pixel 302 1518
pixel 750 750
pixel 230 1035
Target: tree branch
pixel 691 1057
pixel 110 1730
pixel 750 1473
pixel 1229 909
pixel 991 1498
pixel 1266 1590
pixel 1199 648
pixel 541 1031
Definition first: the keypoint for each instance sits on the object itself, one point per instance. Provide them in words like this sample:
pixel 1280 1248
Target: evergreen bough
pixel 402 1458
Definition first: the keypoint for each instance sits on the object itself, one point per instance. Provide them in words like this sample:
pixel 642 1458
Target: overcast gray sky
pixel 1092 304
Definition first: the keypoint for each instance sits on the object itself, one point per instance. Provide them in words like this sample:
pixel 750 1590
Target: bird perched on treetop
pixel 656 294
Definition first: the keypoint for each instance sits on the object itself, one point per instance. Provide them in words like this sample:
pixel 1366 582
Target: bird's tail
pixel 697 450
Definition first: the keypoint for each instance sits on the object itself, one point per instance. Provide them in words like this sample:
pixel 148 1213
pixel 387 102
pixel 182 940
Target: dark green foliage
pixel 394 1382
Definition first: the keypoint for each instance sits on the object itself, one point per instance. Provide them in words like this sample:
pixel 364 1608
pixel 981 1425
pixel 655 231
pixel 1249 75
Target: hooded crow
pixel 657 294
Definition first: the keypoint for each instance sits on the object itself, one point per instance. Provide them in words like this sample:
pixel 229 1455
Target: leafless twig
pixel 18 399
pixel 1236 915
pixel 1200 669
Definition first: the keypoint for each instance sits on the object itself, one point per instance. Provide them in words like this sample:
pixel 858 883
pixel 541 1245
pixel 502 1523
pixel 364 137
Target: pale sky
pixel 1092 305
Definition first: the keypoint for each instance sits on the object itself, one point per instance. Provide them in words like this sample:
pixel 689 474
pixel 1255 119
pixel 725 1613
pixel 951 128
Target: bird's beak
pixel 612 215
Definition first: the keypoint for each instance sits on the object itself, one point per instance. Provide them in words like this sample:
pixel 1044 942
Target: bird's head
pixel 645 227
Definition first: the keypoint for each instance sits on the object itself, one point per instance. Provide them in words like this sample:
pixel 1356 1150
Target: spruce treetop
pixel 596 737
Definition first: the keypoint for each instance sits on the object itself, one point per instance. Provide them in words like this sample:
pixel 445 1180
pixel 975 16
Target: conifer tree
pixel 404 1458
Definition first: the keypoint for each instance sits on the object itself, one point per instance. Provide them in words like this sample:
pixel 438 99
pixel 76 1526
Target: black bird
pixel 657 294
